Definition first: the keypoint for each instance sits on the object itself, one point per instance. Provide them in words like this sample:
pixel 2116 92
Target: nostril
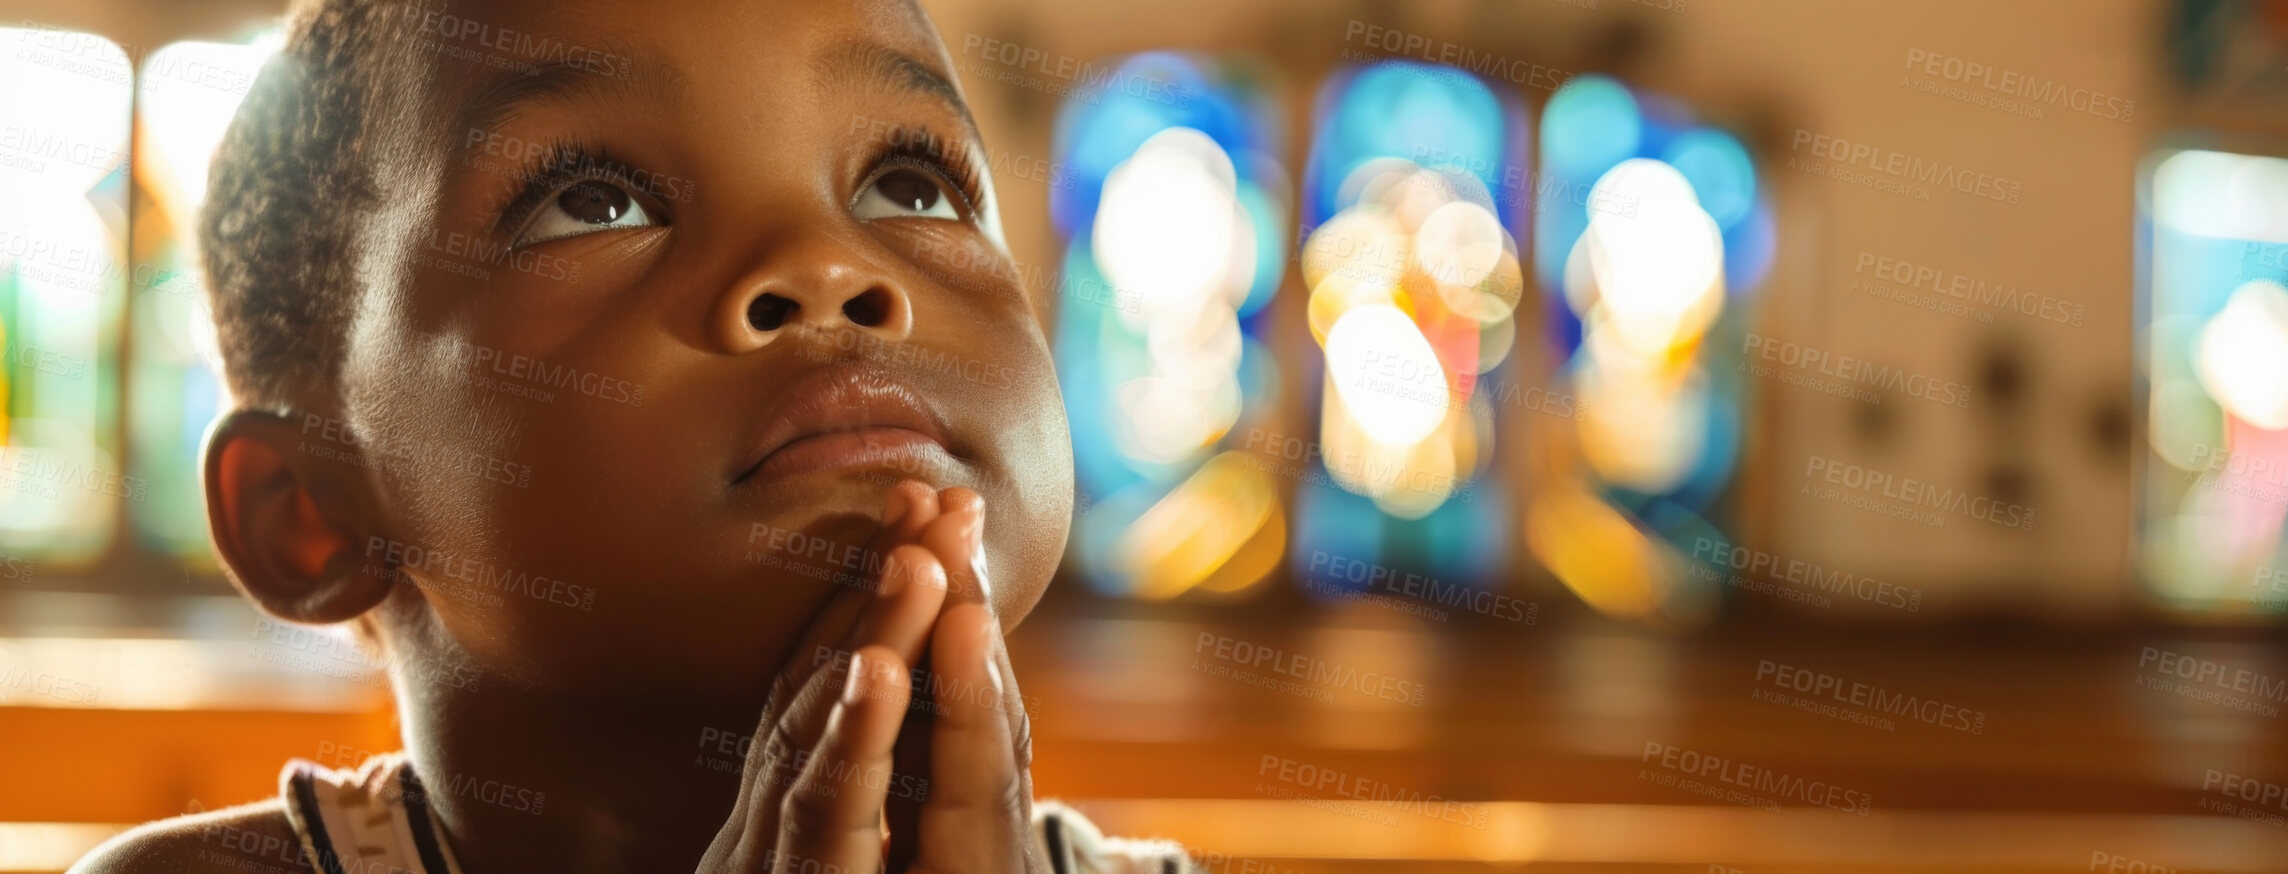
pixel 868 310
pixel 769 312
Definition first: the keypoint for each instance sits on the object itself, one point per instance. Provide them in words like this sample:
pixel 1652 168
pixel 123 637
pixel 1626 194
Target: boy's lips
pixel 843 416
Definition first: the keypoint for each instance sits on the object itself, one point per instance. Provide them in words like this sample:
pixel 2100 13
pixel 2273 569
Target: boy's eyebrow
pixel 881 67
pixel 495 102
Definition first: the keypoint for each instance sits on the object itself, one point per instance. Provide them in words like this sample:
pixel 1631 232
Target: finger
pixel 897 620
pixel 907 509
pixel 955 538
pixel 797 707
pixel 975 818
pixel 832 817
pixel 912 756
pixel 1019 717
pixel 958 538
pixel 905 605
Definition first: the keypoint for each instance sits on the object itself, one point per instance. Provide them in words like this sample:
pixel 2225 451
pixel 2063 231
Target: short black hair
pixel 292 187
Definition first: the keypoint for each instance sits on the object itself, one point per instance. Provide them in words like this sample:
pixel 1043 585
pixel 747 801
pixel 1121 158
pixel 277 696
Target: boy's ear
pixel 292 526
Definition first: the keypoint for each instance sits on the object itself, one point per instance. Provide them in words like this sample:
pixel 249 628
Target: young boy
pixel 620 372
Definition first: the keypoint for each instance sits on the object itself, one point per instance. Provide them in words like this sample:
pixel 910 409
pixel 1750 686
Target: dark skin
pixel 764 135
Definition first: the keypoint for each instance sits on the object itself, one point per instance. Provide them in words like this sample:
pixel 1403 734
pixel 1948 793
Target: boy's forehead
pixel 900 23
pixel 664 46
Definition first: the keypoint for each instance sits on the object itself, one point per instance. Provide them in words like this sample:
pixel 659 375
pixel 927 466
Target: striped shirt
pixel 377 820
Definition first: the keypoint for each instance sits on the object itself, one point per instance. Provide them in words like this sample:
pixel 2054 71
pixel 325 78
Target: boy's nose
pixel 871 308
pixel 823 296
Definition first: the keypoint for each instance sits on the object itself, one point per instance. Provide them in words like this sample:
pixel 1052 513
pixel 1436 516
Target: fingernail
pixel 976 531
pixel 854 686
pixel 894 508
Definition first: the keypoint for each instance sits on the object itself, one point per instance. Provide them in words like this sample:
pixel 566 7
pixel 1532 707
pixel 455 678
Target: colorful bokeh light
pixel 1176 208
pixel 2216 366
pixel 1653 239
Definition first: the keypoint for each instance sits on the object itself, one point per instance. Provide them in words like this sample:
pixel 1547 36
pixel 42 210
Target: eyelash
pixel 929 153
pixel 563 163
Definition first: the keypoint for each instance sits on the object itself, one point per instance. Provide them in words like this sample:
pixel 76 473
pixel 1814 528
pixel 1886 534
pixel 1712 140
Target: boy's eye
pixel 904 192
pixel 585 207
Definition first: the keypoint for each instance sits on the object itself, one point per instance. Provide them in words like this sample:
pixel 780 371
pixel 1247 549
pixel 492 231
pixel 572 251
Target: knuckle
pixel 808 808
pixel 1022 742
pixel 779 752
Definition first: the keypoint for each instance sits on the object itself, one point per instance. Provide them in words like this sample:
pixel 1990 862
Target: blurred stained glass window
pixel 1655 235
pixel 1174 227
pixel 63 270
pixel 1415 183
pixel 2214 337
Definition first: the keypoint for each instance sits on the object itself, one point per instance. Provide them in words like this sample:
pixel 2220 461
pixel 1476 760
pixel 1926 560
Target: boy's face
pixel 700 282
